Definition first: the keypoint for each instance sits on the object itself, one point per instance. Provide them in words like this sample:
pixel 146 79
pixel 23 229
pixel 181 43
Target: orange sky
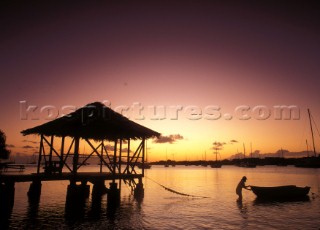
pixel 165 54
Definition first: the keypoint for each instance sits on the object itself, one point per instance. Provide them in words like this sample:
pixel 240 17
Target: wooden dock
pixel 80 176
pixel 5 166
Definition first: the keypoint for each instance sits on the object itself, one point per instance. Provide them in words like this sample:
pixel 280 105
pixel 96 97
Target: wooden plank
pixel 89 176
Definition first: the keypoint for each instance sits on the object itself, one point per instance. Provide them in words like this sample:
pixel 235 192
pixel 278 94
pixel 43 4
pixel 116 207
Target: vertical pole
pixel 61 154
pixel 120 162
pixel 102 146
pixel 40 154
pixel 314 147
pixel 128 156
pixel 51 150
pixel 114 158
pixel 307 147
pixel 76 155
pixel 120 156
pixel 143 152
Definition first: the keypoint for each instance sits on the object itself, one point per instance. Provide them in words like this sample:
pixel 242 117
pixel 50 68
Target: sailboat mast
pixel 244 151
pixel 307 147
pixel 217 154
pixel 314 148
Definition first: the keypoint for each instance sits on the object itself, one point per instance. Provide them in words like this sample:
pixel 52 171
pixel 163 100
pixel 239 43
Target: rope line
pixel 174 191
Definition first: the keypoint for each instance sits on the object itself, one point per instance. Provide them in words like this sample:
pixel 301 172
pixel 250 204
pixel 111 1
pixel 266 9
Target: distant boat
pixel 204 163
pixel 246 163
pixel 280 192
pixel 282 161
pixel 144 165
pixel 310 162
pixel 216 164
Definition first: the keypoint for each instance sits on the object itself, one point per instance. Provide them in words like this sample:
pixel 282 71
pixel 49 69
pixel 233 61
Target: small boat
pixel 216 165
pixel 247 162
pixel 144 165
pixel 280 192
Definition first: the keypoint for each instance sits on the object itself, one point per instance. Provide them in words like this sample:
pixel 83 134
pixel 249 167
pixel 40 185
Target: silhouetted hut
pixel 95 122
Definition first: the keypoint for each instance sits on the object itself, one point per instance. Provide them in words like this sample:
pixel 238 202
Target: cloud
pixel 27 147
pixel 33 142
pixel 168 139
pixel 125 150
pixel 217 145
pixel 109 148
pixel 233 141
pixel 10 146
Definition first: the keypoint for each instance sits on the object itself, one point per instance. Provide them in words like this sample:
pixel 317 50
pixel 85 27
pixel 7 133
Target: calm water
pixel 161 209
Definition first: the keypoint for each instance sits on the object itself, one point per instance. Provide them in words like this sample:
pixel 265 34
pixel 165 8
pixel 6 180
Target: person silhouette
pixel 240 186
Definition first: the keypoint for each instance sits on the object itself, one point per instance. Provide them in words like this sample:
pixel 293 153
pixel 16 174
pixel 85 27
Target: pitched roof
pixel 93 121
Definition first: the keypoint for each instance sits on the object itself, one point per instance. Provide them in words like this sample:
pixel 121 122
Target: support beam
pixel 76 155
pixel 143 153
pixel 120 156
pixel 40 154
pixel 115 157
pixel 101 156
pixel 50 152
pixel 62 154
pixel 128 157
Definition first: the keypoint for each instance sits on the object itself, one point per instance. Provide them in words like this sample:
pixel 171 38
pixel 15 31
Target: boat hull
pixel 216 165
pixel 280 192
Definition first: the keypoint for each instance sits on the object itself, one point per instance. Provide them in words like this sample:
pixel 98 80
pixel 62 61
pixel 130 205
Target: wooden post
pixel 143 152
pixel 120 156
pixel 76 154
pixel 128 156
pixel 40 154
pixel 62 155
pixel 115 158
pixel 102 145
pixel 50 153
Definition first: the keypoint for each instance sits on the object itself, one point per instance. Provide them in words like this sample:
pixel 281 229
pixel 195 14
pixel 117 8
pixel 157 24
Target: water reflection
pixel 243 208
pixel 32 211
pixel 271 202
pixel 161 209
pixel 5 215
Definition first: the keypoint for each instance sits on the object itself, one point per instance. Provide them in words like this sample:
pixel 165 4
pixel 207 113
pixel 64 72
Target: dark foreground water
pixel 162 209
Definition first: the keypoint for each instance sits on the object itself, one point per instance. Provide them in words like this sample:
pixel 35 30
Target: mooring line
pixel 174 191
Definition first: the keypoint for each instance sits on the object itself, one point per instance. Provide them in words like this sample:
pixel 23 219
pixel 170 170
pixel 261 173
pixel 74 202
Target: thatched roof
pixel 93 121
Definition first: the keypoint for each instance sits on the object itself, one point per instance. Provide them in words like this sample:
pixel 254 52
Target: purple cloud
pixel 168 139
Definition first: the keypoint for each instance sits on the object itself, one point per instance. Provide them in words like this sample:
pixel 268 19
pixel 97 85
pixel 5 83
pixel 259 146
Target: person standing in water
pixel 240 186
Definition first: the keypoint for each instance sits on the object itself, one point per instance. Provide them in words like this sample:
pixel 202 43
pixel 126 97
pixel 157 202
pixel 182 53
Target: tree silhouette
pixel 4 152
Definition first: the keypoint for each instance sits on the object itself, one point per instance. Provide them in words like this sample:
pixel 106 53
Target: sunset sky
pixel 178 55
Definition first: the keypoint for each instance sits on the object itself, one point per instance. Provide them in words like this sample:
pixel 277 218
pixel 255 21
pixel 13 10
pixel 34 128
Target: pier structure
pixel 59 155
